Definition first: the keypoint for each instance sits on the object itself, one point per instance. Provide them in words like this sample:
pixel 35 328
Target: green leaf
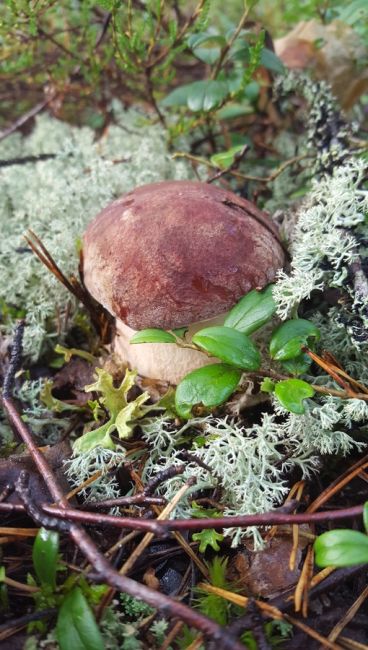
pixel 45 555
pixel 152 336
pixel 76 628
pixel 208 537
pixel 178 96
pixel 288 339
pixel 210 386
pixel 365 516
pixel 267 385
pixel 233 110
pixel 206 95
pixel 252 311
pixel 199 38
pixel 291 394
pixel 230 346
pixel 226 158
pixel 341 547
pixel 272 62
pixel 201 95
pixel 298 365
pixel 252 90
pixel 209 54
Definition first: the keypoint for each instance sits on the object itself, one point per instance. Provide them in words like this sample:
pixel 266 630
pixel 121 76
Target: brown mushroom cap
pixel 173 253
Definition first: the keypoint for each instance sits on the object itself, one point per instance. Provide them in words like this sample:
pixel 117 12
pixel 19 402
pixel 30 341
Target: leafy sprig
pixel 213 384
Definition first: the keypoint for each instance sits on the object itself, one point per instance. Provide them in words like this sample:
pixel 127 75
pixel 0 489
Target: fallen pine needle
pixel 270 611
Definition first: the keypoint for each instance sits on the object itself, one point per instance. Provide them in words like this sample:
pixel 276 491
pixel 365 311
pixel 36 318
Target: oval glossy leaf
pixel 231 110
pixel 206 95
pixel 288 339
pixel 178 96
pixel 195 40
pixel 341 547
pixel 201 95
pixel 272 62
pixel 152 336
pixel 45 556
pixel 252 311
pixel 76 628
pixel 207 54
pixel 211 386
pixel 230 346
pixel 291 394
pixel 206 46
pixel 299 365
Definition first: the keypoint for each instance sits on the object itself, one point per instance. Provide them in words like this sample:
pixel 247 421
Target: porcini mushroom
pixel 175 254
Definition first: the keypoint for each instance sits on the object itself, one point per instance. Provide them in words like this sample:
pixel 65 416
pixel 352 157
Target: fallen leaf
pixel 266 572
pixel 332 52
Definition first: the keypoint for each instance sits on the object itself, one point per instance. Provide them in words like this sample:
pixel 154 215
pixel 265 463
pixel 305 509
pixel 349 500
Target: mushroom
pixel 175 254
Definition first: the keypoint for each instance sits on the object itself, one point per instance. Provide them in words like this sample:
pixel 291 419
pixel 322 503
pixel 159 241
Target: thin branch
pixel 83 517
pixel 147 539
pixel 28 618
pixel 26 117
pixel 161 477
pixel 27 159
pixel 227 47
pixel 163 527
pixel 269 610
pixel 164 53
pixel 245 177
pixel 136 499
pixel 234 165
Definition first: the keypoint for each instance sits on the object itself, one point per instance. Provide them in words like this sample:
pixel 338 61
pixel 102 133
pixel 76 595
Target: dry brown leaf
pixel 332 52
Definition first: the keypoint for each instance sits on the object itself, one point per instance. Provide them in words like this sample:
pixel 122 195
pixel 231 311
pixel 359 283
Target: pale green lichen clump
pixel 327 249
pixel 249 465
pixel 56 198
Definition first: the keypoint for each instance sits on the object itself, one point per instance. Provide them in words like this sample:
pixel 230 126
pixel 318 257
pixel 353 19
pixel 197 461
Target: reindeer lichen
pixel 249 465
pixel 327 249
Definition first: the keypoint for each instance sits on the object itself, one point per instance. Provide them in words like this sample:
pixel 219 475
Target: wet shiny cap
pixel 173 253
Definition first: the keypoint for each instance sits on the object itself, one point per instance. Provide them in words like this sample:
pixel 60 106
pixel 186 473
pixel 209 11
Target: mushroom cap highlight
pixel 173 253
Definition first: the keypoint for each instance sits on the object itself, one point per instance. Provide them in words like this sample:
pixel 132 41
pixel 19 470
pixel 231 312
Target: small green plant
pixel 76 626
pixel 212 385
pixel 45 557
pixel 232 59
pixel 343 547
pixel 122 412
pixel 207 537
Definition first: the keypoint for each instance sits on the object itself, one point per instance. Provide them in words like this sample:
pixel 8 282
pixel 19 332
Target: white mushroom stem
pixel 163 361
